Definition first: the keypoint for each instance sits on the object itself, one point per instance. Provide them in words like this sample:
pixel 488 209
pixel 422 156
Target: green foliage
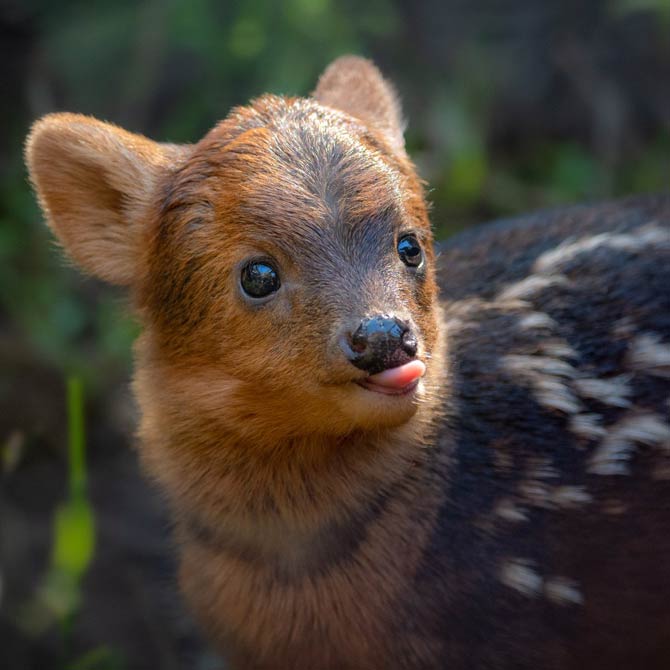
pixel 101 658
pixel 205 56
pixel 625 7
pixel 76 438
pixel 58 598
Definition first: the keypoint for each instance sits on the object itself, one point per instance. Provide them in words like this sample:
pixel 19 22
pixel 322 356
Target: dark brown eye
pixel 410 251
pixel 259 279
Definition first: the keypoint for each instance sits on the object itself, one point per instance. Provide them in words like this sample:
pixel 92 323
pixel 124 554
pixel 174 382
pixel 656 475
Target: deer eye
pixel 259 279
pixel 410 251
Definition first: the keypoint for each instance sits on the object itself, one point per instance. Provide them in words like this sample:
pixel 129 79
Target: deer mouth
pixel 400 380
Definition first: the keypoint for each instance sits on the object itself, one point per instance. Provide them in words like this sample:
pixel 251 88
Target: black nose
pixel 382 342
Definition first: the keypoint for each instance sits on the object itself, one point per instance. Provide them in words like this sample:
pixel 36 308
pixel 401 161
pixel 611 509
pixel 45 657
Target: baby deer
pixel 365 473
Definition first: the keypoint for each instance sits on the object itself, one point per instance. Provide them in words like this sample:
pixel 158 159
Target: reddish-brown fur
pixel 306 506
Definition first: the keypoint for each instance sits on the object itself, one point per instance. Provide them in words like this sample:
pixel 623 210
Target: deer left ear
pixel 355 86
pixel 96 183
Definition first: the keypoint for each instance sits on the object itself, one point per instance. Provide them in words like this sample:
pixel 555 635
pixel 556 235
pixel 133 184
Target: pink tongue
pixel 398 378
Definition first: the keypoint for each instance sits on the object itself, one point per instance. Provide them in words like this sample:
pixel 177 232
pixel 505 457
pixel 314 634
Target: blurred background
pixel 512 105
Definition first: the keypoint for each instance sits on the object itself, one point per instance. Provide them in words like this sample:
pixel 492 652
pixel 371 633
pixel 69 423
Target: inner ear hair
pixel 354 85
pixel 95 183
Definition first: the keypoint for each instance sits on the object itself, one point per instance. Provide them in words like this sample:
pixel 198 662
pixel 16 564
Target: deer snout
pixel 380 342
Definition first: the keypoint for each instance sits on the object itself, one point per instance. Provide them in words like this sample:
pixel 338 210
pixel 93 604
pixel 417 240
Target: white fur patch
pixel 649 236
pixel 535 493
pixel 617 447
pixel 588 426
pixel 529 286
pixel 624 327
pixel 518 574
pixel 555 395
pixel 454 324
pixel 541 468
pixel 546 375
pixel 563 591
pixel 542 365
pixel 506 509
pixel 614 507
pixel 537 320
pixel 614 391
pixel 570 497
pixel 539 494
pixel 648 354
pixel 557 349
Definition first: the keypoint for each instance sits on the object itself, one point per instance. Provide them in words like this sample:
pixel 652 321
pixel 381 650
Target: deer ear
pixel 95 183
pixel 355 86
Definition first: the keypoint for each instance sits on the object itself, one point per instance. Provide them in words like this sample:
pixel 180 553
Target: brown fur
pixel 307 508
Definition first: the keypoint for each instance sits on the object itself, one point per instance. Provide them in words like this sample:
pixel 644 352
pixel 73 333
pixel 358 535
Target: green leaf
pixel 100 658
pixel 74 537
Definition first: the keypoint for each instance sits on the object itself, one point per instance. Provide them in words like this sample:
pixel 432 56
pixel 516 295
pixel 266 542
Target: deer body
pixel 558 484
pixel 364 474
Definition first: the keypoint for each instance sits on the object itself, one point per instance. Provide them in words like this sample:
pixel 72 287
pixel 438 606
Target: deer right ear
pixel 355 86
pixel 95 183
